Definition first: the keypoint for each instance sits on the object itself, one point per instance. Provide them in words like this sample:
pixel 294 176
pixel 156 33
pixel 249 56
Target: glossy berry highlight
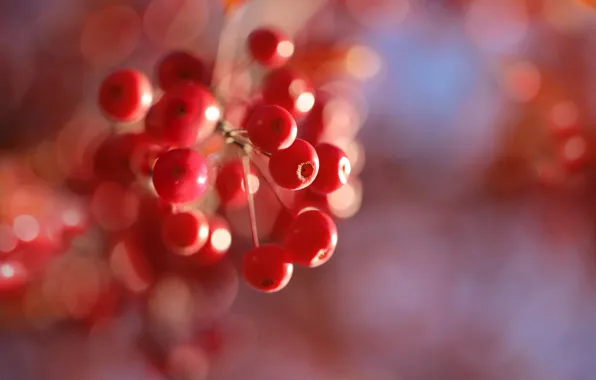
pixel 271 128
pixel 269 47
pixel 125 95
pixel 230 184
pixel 217 245
pixel 180 176
pixel 288 89
pixel 334 169
pixel 183 116
pixel 267 268
pixel 296 167
pixel 143 157
pixel 311 238
pixel 186 232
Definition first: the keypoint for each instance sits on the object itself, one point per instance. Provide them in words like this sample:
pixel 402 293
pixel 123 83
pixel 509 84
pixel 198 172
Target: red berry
pixel 229 184
pixel 112 161
pixel 218 243
pixel 271 128
pixel 311 238
pixel 180 67
pixel 180 176
pixel 125 95
pixel 144 156
pixel 308 199
pixel 284 218
pixel 185 232
pixel 288 89
pixel 334 169
pixel 267 268
pixel 315 123
pixel 269 47
pixel 296 167
pixel 184 115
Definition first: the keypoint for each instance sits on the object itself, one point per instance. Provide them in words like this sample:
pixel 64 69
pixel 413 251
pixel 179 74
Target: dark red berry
pixel 180 176
pixel 218 243
pixel 112 161
pixel 311 238
pixel 186 232
pixel 184 115
pixel 267 268
pixel 271 128
pixel 290 90
pixel 180 67
pixel 308 199
pixel 334 169
pixel 270 47
pixel 230 186
pixel 144 156
pixel 125 95
pixel 296 167
pixel 315 123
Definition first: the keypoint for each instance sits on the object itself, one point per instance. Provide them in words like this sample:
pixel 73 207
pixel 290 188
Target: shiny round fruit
pixel 125 95
pixel 144 156
pixel 180 67
pixel 180 176
pixel 334 169
pixel 290 90
pixel 270 47
pixel 267 268
pixel 271 128
pixel 186 232
pixel 185 115
pixel 296 167
pixel 230 186
pixel 311 238
pixel 217 245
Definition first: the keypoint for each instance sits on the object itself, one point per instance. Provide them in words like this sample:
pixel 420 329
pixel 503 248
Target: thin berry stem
pixel 271 186
pixel 233 136
pixel 239 131
pixel 251 200
pixel 245 140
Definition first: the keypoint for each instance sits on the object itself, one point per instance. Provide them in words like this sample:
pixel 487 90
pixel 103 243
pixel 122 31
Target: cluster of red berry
pixel 175 153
